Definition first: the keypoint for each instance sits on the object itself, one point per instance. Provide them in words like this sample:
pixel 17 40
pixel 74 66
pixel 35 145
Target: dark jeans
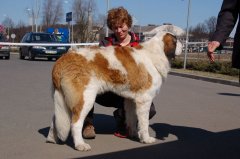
pixel 110 99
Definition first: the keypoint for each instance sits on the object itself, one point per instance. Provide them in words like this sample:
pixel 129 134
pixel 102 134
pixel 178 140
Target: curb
pixel 208 79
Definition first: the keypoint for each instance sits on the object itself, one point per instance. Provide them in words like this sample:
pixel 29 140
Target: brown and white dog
pixel 134 73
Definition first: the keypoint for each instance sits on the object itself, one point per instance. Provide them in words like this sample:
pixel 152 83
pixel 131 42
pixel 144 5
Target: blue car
pixel 49 52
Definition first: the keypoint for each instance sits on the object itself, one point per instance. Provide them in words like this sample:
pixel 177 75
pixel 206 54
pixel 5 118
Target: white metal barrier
pixel 66 44
pixel 48 44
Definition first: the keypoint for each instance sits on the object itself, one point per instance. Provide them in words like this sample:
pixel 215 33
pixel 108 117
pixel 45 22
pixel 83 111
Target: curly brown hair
pixel 118 16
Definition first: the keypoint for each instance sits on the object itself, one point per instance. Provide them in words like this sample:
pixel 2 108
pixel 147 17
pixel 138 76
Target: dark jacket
pixel 112 40
pixel 227 18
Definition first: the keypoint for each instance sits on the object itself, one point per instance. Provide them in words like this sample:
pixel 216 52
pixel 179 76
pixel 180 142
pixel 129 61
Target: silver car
pixel 4 50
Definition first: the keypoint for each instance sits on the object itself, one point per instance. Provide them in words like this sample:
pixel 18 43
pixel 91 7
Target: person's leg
pixel 152 111
pixel 107 99
pixel 119 116
pixel 110 99
pixel 88 128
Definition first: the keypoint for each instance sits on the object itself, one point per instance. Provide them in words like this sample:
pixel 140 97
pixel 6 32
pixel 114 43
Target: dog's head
pixel 172 46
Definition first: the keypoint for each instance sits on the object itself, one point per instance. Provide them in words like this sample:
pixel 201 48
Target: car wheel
pixel 21 56
pixel 30 55
pixel 7 57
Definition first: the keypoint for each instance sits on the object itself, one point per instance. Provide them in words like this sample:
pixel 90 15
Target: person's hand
pixel 212 46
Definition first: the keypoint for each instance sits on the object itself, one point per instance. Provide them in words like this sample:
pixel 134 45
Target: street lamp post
pixel 30 15
pixel 36 15
pixel 33 15
pixel 106 14
pixel 187 39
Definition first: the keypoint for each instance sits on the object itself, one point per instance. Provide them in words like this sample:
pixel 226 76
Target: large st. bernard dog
pixel 134 73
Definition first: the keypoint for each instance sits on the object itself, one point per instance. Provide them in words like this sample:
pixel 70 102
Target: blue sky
pixel 145 11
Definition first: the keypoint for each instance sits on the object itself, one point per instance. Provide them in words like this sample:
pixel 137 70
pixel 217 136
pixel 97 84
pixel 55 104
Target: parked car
pixel 41 51
pixel 4 50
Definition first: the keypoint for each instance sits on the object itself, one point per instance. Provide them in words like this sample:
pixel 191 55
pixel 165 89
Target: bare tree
pixel 99 24
pixel 33 14
pixel 200 31
pixel 52 12
pixel 80 12
pixel 86 27
pixel 203 30
pixel 8 22
pixel 20 30
pixel 211 25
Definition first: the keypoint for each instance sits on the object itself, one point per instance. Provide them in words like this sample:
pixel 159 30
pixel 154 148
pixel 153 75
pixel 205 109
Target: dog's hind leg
pixel 131 117
pixel 142 111
pixel 79 113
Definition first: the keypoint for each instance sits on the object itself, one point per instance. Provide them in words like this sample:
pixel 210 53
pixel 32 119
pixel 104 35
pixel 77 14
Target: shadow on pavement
pixel 230 94
pixel 192 143
pixel 44 131
pixel 104 124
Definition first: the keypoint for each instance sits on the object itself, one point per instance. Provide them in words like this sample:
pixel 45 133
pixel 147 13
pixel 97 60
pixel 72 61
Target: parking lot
pixel 195 119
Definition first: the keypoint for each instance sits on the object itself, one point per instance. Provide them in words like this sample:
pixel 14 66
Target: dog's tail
pixel 62 116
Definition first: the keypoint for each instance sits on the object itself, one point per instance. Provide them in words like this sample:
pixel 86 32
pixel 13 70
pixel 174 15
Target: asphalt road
pixel 195 119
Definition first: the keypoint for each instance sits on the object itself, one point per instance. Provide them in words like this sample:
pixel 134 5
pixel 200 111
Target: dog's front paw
pixel 148 140
pixel 83 147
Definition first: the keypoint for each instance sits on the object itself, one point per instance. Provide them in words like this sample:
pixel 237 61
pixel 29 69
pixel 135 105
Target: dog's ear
pixel 170 44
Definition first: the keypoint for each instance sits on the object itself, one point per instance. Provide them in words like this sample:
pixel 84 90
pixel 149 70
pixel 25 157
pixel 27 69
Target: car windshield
pixel 43 38
pixel 60 38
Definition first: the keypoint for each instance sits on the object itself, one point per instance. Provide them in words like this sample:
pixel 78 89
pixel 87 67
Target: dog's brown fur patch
pixel 134 70
pixel 72 71
pixel 100 66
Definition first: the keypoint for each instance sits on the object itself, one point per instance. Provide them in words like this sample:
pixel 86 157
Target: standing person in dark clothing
pixel 227 18
pixel 119 21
